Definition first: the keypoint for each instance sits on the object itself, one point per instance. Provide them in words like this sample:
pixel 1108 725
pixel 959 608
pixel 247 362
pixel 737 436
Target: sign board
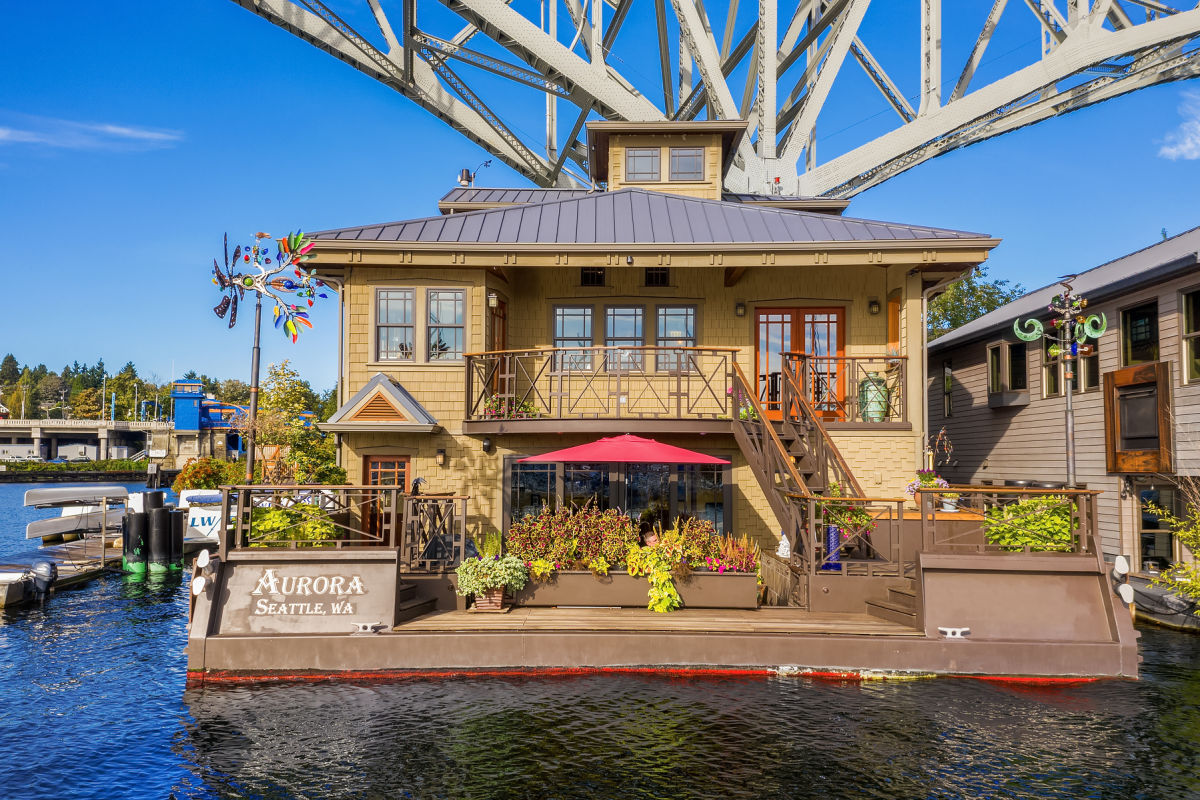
pixel 307 597
pixel 157 453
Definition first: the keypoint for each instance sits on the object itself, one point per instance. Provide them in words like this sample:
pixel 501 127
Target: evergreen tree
pixel 10 371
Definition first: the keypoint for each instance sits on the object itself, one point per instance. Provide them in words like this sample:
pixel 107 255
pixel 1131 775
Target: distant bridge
pixel 48 437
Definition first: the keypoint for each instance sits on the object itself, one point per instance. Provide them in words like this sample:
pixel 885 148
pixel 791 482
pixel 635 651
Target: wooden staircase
pixel 899 607
pixel 409 606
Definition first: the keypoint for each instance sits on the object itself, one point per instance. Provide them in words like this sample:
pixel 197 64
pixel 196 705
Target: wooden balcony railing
pixel 429 531
pixel 562 383
pixel 1008 520
pixel 869 389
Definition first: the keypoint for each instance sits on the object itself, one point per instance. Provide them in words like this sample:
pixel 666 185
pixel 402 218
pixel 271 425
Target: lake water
pixel 94 705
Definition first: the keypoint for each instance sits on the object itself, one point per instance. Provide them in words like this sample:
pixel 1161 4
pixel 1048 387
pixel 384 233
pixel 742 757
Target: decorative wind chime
pixel 1071 331
pixel 281 277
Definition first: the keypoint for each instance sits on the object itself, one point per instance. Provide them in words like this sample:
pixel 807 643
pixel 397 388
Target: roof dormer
pixel 685 158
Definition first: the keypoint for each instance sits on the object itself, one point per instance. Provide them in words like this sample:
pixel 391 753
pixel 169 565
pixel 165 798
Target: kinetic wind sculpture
pixel 290 254
pixel 1072 330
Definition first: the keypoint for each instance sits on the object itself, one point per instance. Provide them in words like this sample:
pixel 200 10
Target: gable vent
pixel 377 410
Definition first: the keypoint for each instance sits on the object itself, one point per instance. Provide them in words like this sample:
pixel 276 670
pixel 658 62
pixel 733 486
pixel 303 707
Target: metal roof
pixel 472 198
pixel 637 216
pixel 1157 261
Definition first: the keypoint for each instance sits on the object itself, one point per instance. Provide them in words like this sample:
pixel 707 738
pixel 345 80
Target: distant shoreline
pixel 72 476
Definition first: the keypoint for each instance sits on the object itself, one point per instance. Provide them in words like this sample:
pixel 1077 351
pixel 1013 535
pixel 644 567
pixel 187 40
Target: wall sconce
pixel 739 309
pixel 439 458
pixel 493 300
pixel 487 444
pixel 873 306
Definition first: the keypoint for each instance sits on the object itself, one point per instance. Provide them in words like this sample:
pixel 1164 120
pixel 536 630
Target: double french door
pixel 818 334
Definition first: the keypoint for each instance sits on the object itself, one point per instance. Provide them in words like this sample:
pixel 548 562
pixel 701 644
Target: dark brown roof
pixel 638 216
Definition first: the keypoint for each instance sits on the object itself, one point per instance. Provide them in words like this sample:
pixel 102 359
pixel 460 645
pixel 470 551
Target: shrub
pixel 1039 522
pixel 544 535
pixel 656 563
pixel 209 473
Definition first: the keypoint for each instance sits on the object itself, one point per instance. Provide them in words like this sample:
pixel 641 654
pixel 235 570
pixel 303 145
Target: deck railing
pixel 864 389
pixel 428 531
pixel 601 383
pixel 1008 520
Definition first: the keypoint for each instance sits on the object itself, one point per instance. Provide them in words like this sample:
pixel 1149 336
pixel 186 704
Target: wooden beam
pixel 734 274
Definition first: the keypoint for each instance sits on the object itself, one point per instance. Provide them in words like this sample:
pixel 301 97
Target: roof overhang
pixel 599 133
pixel 377 427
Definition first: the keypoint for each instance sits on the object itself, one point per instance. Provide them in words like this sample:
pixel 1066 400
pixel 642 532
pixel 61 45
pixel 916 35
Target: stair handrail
pixel 808 414
pixel 760 414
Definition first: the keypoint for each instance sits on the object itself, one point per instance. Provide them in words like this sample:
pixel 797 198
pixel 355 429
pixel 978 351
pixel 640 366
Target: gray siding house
pixel 1136 397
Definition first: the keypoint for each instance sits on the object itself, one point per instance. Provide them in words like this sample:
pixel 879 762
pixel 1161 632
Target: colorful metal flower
pixel 291 252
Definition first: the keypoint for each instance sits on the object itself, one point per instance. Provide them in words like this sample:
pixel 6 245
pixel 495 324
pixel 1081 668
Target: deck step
pixel 903 595
pixel 899 613
pixel 405 591
pixel 413 608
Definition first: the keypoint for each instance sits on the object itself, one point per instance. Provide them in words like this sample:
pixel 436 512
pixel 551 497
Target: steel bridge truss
pixel 1090 51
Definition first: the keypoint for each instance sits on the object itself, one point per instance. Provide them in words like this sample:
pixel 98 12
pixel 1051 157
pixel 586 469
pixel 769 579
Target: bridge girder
pixel 791 74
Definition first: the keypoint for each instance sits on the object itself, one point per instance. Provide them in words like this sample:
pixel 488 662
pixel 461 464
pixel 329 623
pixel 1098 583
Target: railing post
pixel 223 541
pixel 468 389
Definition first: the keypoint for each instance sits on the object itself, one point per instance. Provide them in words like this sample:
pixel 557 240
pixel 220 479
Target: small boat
pixel 1161 606
pixel 204 514
pixel 84 510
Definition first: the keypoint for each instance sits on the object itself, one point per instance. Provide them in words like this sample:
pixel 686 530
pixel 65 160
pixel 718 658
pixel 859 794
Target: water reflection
pixel 650 737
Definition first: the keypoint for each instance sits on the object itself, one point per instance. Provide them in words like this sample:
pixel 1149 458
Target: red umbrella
pixel 626 449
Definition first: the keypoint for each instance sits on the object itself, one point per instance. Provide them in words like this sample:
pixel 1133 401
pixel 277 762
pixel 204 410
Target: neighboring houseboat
pixel 1136 398
pixel 769 333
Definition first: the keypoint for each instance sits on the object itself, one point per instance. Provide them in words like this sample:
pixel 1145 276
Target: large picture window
pixel 1191 336
pixel 652 494
pixel 394 328
pixel 641 164
pixel 1139 334
pixel 675 327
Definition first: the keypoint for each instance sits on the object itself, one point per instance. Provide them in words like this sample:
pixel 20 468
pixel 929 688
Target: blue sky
pixel 131 139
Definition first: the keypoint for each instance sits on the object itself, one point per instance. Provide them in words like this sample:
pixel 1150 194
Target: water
pixel 94 705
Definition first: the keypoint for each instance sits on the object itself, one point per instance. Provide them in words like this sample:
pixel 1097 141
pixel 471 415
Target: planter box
pixel 581 588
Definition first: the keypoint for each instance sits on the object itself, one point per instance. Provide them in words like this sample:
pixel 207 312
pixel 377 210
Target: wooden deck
pixel 639 620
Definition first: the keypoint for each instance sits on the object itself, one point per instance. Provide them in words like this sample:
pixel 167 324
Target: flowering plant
pixel 734 555
pixel 848 515
pixel 926 479
pixel 497 407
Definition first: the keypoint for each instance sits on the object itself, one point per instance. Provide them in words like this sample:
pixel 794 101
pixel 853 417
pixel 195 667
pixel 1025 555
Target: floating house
pixel 776 336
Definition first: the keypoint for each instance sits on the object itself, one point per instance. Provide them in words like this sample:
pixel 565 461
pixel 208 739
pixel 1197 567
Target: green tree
pixel 50 389
pixel 10 371
pixel 308 455
pixel 86 404
pixel 969 299
pixel 234 391
pixel 328 404
pixel 1183 577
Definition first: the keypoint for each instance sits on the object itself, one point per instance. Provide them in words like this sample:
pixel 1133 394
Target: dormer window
pixel 687 163
pixel 642 164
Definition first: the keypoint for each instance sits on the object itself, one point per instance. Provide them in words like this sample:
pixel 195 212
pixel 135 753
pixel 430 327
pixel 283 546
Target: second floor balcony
pixel 670 389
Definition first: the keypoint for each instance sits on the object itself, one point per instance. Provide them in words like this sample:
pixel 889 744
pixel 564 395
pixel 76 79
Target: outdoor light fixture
pixel 873 306
pixel 739 309
pixel 493 300
pixel 629 260
pixel 487 444
pixel 439 458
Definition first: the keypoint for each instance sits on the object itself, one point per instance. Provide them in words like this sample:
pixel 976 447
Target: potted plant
pixel 950 501
pixel 843 519
pixel 488 575
pixel 926 479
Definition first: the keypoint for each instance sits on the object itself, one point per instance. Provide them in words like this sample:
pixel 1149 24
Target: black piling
pixel 134 542
pixel 159 550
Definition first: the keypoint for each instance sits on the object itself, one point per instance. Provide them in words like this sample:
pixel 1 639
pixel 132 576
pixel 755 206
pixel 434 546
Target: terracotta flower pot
pixel 491 600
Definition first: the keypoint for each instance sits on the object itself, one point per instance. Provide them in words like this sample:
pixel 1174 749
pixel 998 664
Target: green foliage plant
pixel 849 516
pixel 545 535
pixel 306 524
pixel 656 563
pixel 490 544
pixel 1182 578
pixel 540 570
pixel 599 566
pixel 601 535
pixel 1042 523
pixel 476 576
